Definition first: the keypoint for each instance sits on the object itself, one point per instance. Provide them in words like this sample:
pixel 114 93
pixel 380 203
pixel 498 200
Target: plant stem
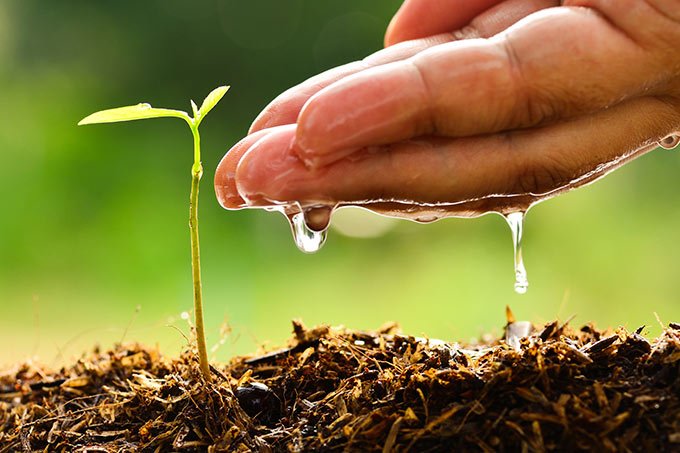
pixel 196 174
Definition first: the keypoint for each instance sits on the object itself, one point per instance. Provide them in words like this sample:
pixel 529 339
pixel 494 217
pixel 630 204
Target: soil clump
pixel 539 388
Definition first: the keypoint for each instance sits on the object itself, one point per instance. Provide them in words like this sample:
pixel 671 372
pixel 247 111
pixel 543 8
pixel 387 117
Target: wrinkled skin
pixel 469 99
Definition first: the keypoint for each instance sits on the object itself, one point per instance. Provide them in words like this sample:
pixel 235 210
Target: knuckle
pixel 667 8
pixel 668 108
pixel 541 176
pixel 429 123
pixel 534 105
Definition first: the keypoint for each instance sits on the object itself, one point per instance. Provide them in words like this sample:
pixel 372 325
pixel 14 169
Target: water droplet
pixel 427 219
pixel 309 229
pixel 670 142
pixel 306 239
pixel 318 218
pixel 516 222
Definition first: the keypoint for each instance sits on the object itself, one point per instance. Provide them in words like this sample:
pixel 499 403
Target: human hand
pixel 518 112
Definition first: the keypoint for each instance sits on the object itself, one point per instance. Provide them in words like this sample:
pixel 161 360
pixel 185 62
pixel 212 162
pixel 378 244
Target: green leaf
pixel 131 113
pixel 212 99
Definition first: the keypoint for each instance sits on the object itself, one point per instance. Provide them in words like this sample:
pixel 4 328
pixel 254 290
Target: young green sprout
pixel 145 111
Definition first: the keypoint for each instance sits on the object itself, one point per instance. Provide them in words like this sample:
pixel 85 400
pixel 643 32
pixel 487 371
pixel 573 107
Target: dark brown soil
pixel 556 389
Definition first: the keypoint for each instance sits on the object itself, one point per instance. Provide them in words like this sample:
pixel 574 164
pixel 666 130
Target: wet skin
pixel 475 105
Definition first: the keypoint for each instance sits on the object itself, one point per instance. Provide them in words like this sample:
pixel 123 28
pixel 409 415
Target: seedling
pixel 145 111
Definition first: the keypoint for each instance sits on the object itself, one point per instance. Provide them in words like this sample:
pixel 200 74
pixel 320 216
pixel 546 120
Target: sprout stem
pixel 196 174
pixel 145 111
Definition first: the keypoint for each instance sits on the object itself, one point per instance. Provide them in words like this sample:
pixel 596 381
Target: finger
pixel 533 163
pixel 505 14
pixel 480 86
pixel 420 18
pixel 286 107
pixel 225 184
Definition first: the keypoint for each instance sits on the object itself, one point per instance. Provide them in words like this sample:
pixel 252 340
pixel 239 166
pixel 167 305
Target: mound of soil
pixel 537 389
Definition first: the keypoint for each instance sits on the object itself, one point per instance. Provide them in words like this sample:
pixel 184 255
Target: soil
pixel 539 388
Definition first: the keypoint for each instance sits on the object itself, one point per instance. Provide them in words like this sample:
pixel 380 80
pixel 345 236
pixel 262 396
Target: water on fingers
pixel 308 226
pixel 310 220
pixel 670 142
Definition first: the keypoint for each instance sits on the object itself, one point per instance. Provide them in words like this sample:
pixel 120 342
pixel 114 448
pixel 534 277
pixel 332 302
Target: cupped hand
pixel 526 97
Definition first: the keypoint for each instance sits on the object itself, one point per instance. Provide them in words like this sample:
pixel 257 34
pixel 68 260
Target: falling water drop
pixel 670 142
pixel 308 240
pixel 427 219
pixel 516 222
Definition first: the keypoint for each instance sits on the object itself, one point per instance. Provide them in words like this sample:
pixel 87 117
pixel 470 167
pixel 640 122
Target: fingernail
pixel 261 175
pixel 227 193
pixel 313 160
pixel 311 151
pixel 225 175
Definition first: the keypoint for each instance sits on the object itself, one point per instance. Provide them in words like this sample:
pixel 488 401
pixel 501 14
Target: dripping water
pixel 309 227
pixel 516 222
pixel 310 230
pixel 670 142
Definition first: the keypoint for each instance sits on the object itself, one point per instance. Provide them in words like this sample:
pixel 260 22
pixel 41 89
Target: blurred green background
pixel 94 220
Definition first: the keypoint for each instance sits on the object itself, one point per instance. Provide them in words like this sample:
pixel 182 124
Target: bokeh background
pixel 94 246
